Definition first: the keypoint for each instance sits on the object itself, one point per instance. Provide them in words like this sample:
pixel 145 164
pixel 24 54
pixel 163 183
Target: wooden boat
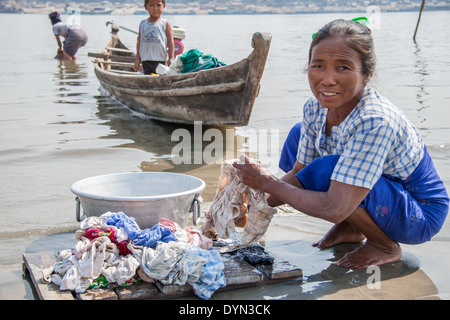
pixel 217 97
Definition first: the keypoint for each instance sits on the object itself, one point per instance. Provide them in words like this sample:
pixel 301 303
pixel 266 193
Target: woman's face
pixel 335 75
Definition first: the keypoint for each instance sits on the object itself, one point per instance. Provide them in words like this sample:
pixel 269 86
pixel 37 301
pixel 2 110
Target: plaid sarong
pixel 76 38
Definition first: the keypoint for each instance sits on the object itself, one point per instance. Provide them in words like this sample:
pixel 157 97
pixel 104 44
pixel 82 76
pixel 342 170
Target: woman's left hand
pixel 253 173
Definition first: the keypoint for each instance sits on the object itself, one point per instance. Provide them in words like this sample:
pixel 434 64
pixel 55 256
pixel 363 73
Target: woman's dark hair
pixel 54 17
pixel 357 37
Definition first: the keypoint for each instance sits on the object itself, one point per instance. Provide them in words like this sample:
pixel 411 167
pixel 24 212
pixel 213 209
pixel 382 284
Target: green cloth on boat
pixel 194 60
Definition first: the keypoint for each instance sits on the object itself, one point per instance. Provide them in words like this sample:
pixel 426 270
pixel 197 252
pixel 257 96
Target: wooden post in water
pixel 418 21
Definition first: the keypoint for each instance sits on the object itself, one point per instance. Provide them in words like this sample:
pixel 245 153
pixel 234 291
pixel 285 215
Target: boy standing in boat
pixel 155 42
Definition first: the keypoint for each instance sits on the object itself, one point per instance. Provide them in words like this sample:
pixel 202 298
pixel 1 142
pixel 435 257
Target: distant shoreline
pixel 141 12
pixel 446 8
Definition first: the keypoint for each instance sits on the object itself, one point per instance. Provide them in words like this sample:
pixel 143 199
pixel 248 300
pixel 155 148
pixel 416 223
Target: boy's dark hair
pixel 146 1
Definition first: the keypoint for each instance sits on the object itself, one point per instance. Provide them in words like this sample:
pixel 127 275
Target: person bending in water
pixel 361 164
pixel 74 36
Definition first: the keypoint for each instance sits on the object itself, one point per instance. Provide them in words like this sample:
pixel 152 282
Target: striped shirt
pixel 376 138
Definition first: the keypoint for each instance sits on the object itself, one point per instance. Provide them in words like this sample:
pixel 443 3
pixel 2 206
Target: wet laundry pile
pixel 113 251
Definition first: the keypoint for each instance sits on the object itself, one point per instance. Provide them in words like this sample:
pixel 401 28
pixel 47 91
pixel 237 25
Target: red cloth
pixel 97 231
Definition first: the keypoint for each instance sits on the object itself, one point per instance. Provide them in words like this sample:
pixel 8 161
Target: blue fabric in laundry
pixel 146 238
pixel 212 277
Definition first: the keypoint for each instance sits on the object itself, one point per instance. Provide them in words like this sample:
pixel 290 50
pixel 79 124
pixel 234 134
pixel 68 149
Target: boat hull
pixel 217 97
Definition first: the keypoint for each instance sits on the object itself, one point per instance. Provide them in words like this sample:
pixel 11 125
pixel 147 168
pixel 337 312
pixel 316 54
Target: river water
pixel 57 127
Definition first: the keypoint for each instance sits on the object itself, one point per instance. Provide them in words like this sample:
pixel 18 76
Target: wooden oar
pixel 110 22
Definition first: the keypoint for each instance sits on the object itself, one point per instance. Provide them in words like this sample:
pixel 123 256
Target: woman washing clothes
pixel 360 163
pixel 74 36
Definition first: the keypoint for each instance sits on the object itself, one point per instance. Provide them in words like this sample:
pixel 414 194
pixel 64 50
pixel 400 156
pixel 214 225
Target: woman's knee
pixel 316 176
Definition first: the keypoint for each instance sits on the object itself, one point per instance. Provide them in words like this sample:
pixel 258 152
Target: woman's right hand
pixel 253 173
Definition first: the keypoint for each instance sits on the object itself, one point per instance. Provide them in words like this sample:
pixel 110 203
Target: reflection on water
pixel 157 139
pixel 323 279
pixel 394 281
pixel 68 76
pixel 398 280
pixel 421 67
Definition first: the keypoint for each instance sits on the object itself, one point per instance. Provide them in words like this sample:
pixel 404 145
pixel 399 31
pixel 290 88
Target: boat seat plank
pixel 112 57
pixel 116 63
pixel 119 50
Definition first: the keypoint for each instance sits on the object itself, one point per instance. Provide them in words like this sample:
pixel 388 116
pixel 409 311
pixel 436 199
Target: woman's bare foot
pixel 370 255
pixel 340 233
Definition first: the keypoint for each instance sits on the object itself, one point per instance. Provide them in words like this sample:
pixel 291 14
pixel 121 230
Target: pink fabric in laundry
pixel 97 231
pixel 188 234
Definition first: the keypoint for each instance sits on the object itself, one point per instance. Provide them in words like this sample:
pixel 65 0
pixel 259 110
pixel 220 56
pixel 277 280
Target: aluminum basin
pixel 146 196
